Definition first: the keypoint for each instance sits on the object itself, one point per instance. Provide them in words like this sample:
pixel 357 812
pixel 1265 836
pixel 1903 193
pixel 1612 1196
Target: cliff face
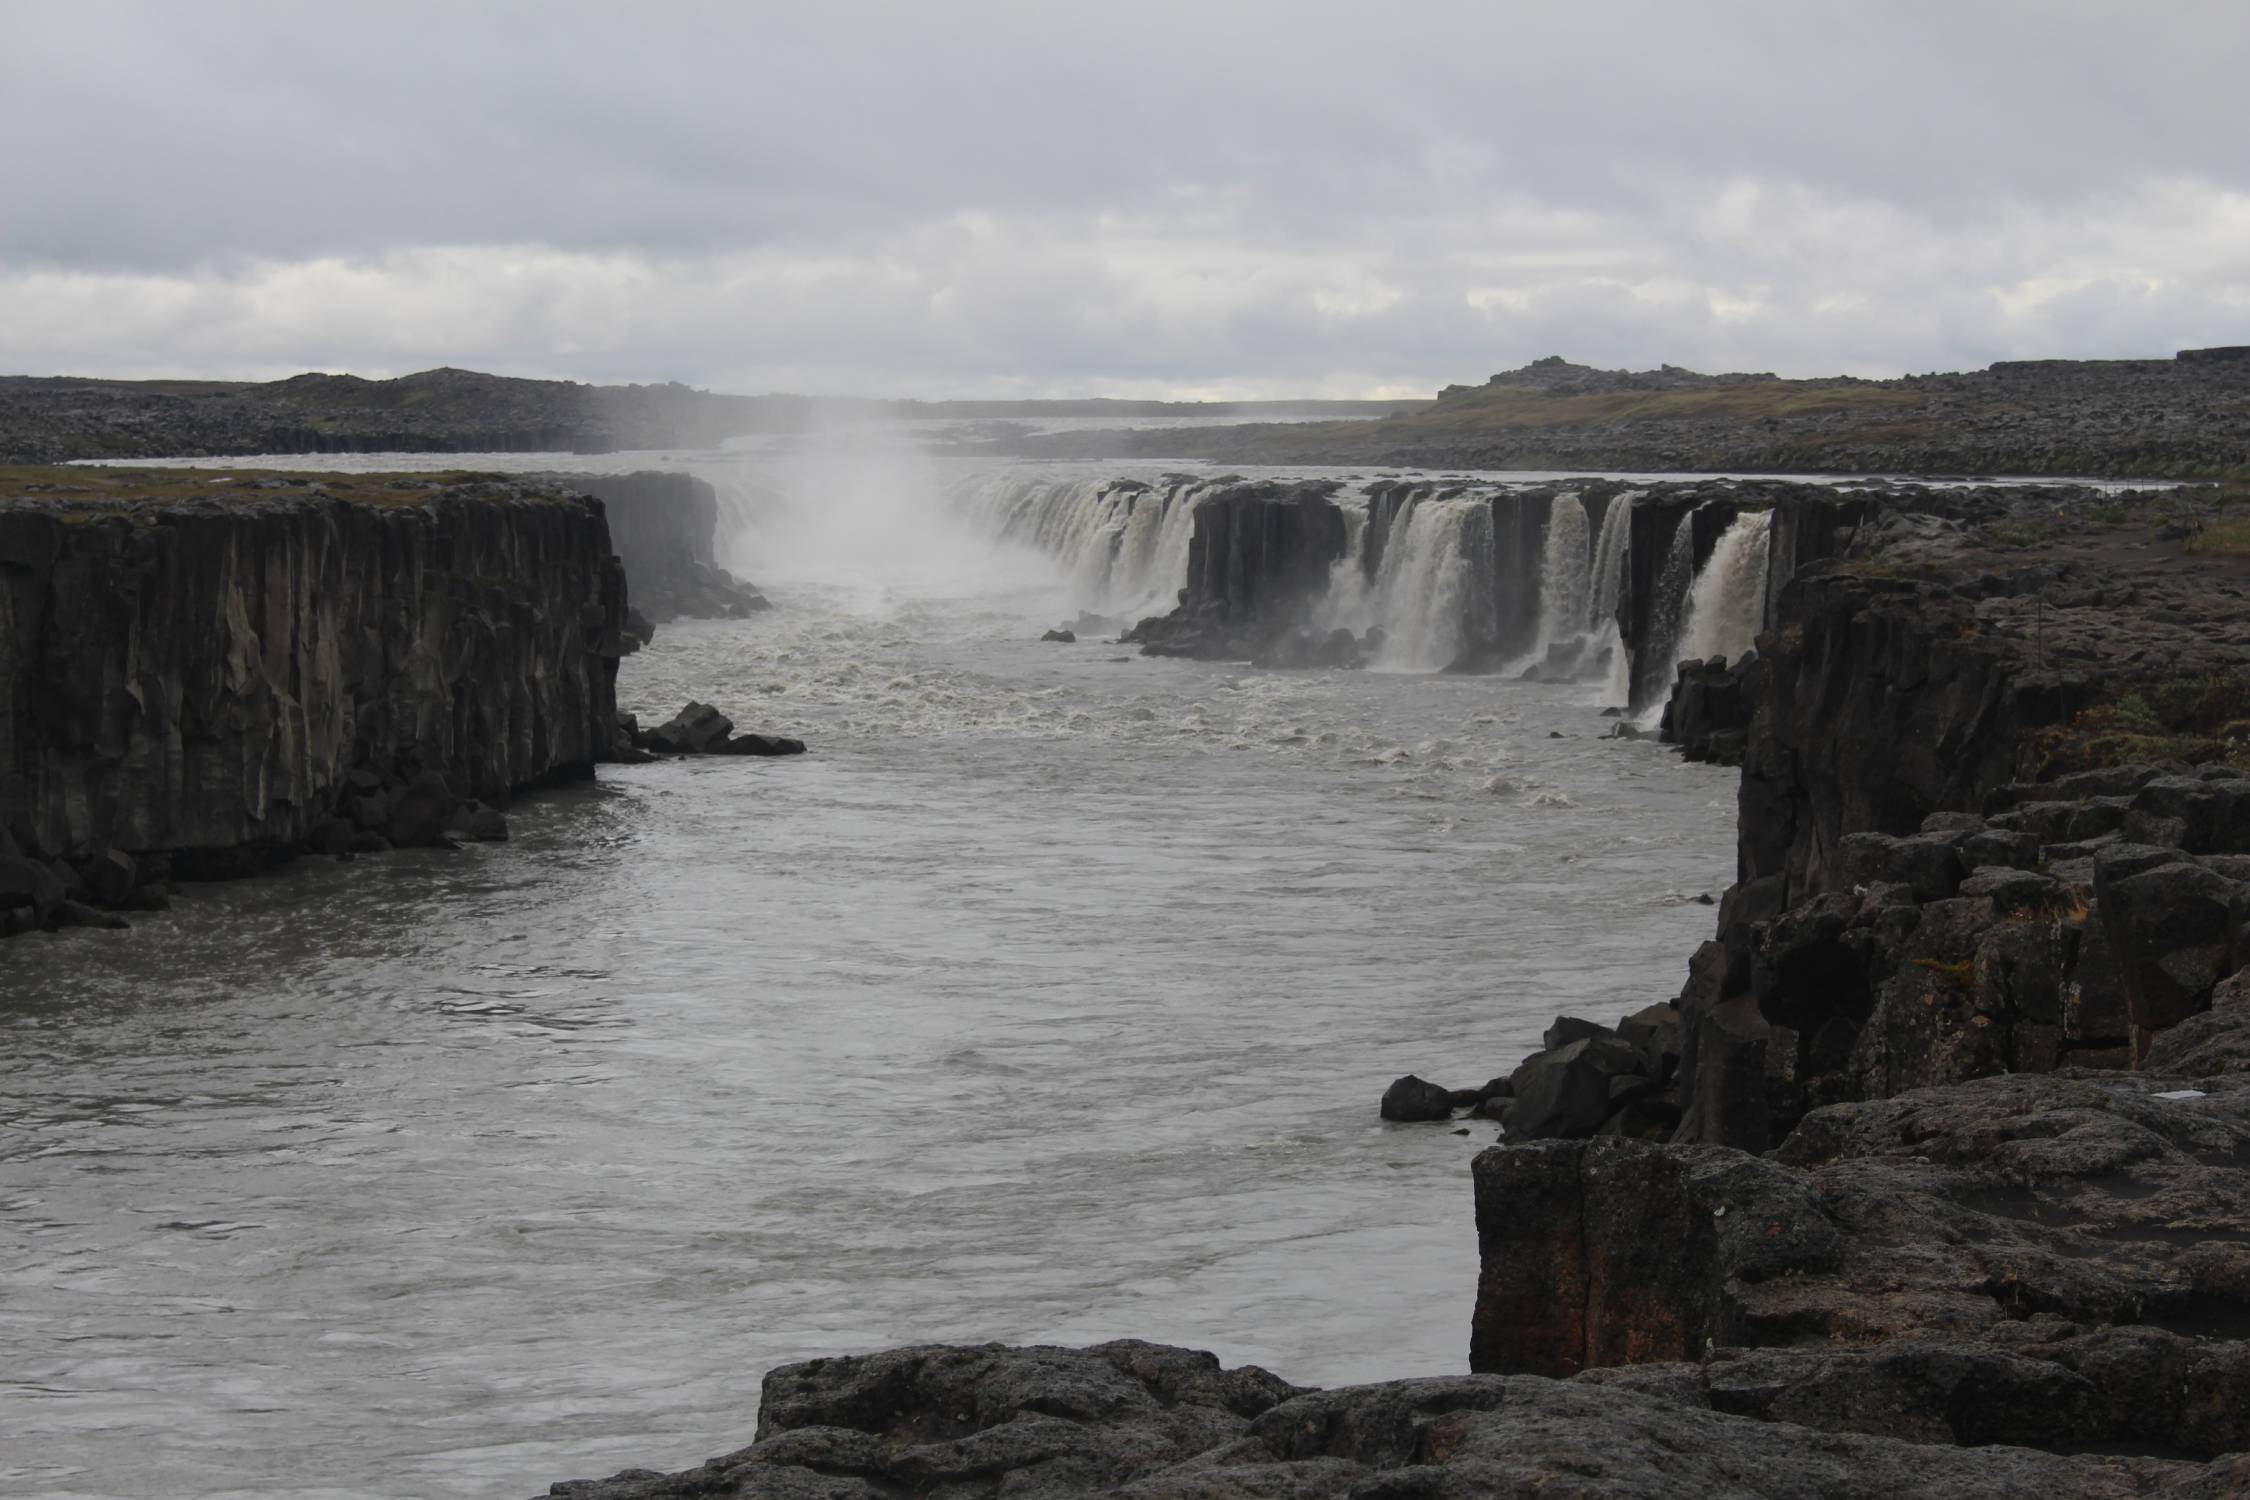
pixel 1259 555
pixel 664 527
pixel 204 686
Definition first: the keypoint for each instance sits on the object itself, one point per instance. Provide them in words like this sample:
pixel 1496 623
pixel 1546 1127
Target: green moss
pixel 2197 719
pixel 1960 973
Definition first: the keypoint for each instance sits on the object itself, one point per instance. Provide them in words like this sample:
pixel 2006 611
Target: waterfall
pixel 1436 576
pixel 1349 603
pixel 1123 544
pixel 1728 602
pixel 1564 580
pixel 1609 561
pixel 1669 608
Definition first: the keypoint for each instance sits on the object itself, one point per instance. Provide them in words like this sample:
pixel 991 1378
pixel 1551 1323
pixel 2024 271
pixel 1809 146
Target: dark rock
pixel 762 744
pixel 1564 1092
pixel 2173 923
pixel 1151 1423
pixel 69 913
pixel 1412 1098
pixel 422 812
pixel 110 876
pixel 698 729
pixel 474 820
pixel 1064 637
pixel 464 634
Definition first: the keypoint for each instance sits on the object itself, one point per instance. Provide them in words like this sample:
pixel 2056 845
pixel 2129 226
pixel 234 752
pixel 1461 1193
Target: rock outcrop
pixel 665 528
pixel 203 687
pixel 2059 1262
pixel 1260 553
pixel 1152 1422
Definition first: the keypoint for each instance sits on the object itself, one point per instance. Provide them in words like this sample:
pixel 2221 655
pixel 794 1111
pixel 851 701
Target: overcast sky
pixel 1132 197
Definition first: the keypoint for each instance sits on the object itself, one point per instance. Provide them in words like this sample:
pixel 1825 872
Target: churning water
pixel 1049 998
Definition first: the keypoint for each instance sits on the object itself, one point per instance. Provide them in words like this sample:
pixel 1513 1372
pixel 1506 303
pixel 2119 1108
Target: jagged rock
pixel 698 729
pixel 1412 1098
pixel 1566 1091
pixel 474 820
pixel 2022 1259
pixel 1063 637
pixel 1145 1422
pixel 2174 923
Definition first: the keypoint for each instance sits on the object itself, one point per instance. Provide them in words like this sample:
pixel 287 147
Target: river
pixel 1048 999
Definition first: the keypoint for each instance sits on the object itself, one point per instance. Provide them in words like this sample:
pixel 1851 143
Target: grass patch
pixel 2197 719
pixel 1960 973
pixel 2228 536
pixel 1508 407
pixel 2014 534
pixel 101 488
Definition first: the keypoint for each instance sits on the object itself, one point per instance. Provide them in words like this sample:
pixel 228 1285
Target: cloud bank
pixel 1155 200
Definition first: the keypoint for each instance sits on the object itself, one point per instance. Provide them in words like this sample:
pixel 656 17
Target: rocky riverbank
pixel 202 676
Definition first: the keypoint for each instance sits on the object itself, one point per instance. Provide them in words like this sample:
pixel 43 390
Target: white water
pixel 1565 574
pixel 1049 998
pixel 1669 609
pixel 1435 579
pixel 1727 605
pixel 1609 561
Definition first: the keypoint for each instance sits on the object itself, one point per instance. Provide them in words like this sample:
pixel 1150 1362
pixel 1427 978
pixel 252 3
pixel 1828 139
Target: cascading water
pixel 1565 578
pixel 1728 603
pixel 1123 544
pixel 1349 603
pixel 1435 579
pixel 1609 562
pixel 1669 608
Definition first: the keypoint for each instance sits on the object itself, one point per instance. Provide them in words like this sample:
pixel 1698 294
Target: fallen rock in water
pixel 1412 1098
pixel 1063 637
pixel 1152 1422
pixel 700 729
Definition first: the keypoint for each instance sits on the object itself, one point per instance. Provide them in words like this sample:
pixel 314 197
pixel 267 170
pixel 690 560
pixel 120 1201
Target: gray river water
pixel 1049 999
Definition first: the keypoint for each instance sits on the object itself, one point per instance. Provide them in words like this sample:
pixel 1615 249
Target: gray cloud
pixel 1160 198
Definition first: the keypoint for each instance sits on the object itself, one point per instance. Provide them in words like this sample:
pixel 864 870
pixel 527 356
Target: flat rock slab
pixel 1157 1423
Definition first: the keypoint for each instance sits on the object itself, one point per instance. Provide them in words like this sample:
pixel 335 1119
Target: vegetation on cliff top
pixel 101 488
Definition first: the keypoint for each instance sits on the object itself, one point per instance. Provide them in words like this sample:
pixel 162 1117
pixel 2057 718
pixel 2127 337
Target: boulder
pixel 1565 1092
pixel 762 744
pixel 1062 637
pixel 698 729
pixel 1412 1098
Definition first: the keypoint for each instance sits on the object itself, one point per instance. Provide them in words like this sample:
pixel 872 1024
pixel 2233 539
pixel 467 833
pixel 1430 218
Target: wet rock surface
pixel 700 729
pixel 1160 1423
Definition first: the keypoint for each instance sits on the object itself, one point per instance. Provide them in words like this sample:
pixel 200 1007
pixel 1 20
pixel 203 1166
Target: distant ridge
pixel 52 419
pixel 2180 418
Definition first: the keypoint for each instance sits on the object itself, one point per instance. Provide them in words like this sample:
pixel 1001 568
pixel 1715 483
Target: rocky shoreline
pixel 1933 1179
